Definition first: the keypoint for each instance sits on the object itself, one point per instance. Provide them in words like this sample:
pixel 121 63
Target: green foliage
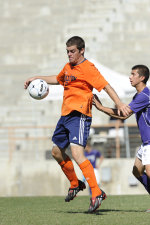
pixel 115 210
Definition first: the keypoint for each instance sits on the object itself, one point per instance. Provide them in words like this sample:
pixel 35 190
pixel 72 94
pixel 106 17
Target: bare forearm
pixel 49 79
pixel 111 112
pixel 113 95
pixel 122 108
pixel 106 110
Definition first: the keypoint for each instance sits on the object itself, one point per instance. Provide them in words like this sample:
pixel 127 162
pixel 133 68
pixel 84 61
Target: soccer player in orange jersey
pixel 78 77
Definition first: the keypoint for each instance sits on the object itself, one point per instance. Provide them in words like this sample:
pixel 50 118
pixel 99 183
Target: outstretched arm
pixel 49 79
pixel 122 108
pixel 109 111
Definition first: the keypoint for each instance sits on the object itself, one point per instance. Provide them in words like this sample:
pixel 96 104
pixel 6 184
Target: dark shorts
pixel 73 128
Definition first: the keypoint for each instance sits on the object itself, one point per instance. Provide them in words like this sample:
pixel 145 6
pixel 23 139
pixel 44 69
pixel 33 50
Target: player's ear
pixel 82 51
pixel 142 78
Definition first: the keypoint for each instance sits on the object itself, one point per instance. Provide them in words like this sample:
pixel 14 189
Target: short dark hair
pixel 76 40
pixel 142 71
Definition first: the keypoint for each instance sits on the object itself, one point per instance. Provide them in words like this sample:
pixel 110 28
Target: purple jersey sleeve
pixel 139 102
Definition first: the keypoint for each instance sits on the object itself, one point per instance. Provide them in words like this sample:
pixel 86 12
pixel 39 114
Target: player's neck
pixel 140 87
pixel 81 60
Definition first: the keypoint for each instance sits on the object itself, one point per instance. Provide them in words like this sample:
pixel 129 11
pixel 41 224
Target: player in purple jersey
pixel 140 106
pixel 96 158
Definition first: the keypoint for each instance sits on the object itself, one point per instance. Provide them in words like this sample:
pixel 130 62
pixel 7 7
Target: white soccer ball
pixel 38 89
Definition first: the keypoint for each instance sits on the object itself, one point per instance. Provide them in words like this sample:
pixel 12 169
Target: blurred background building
pixel 32 42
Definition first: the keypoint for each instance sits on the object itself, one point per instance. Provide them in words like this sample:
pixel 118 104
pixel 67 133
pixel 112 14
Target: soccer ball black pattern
pixel 38 89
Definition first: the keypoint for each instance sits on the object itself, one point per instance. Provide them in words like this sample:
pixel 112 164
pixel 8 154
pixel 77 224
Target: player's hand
pixel 28 81
pixel 96 102
pixel 124 109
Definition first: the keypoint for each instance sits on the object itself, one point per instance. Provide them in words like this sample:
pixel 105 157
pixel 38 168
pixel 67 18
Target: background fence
pixel 115 140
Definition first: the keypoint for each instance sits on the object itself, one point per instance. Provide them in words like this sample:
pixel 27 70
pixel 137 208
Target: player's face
pixel 135 78
pixel 74 55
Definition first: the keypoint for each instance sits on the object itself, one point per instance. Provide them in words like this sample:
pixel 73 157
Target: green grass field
pixel 115 210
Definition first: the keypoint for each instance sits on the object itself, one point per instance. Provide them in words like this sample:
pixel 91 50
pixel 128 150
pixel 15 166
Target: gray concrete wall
pixel 45 178
pixel 32 42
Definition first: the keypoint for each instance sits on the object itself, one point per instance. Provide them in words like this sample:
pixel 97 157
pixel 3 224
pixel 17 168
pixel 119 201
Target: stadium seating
pixel 32 41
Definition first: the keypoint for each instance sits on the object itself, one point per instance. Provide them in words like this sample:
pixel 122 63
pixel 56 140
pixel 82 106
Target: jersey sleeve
pixel 60 77
pixel 95 78
pixel 139 102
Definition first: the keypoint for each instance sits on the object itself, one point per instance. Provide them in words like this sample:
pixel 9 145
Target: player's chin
pixel 72 62
pixel 133 85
